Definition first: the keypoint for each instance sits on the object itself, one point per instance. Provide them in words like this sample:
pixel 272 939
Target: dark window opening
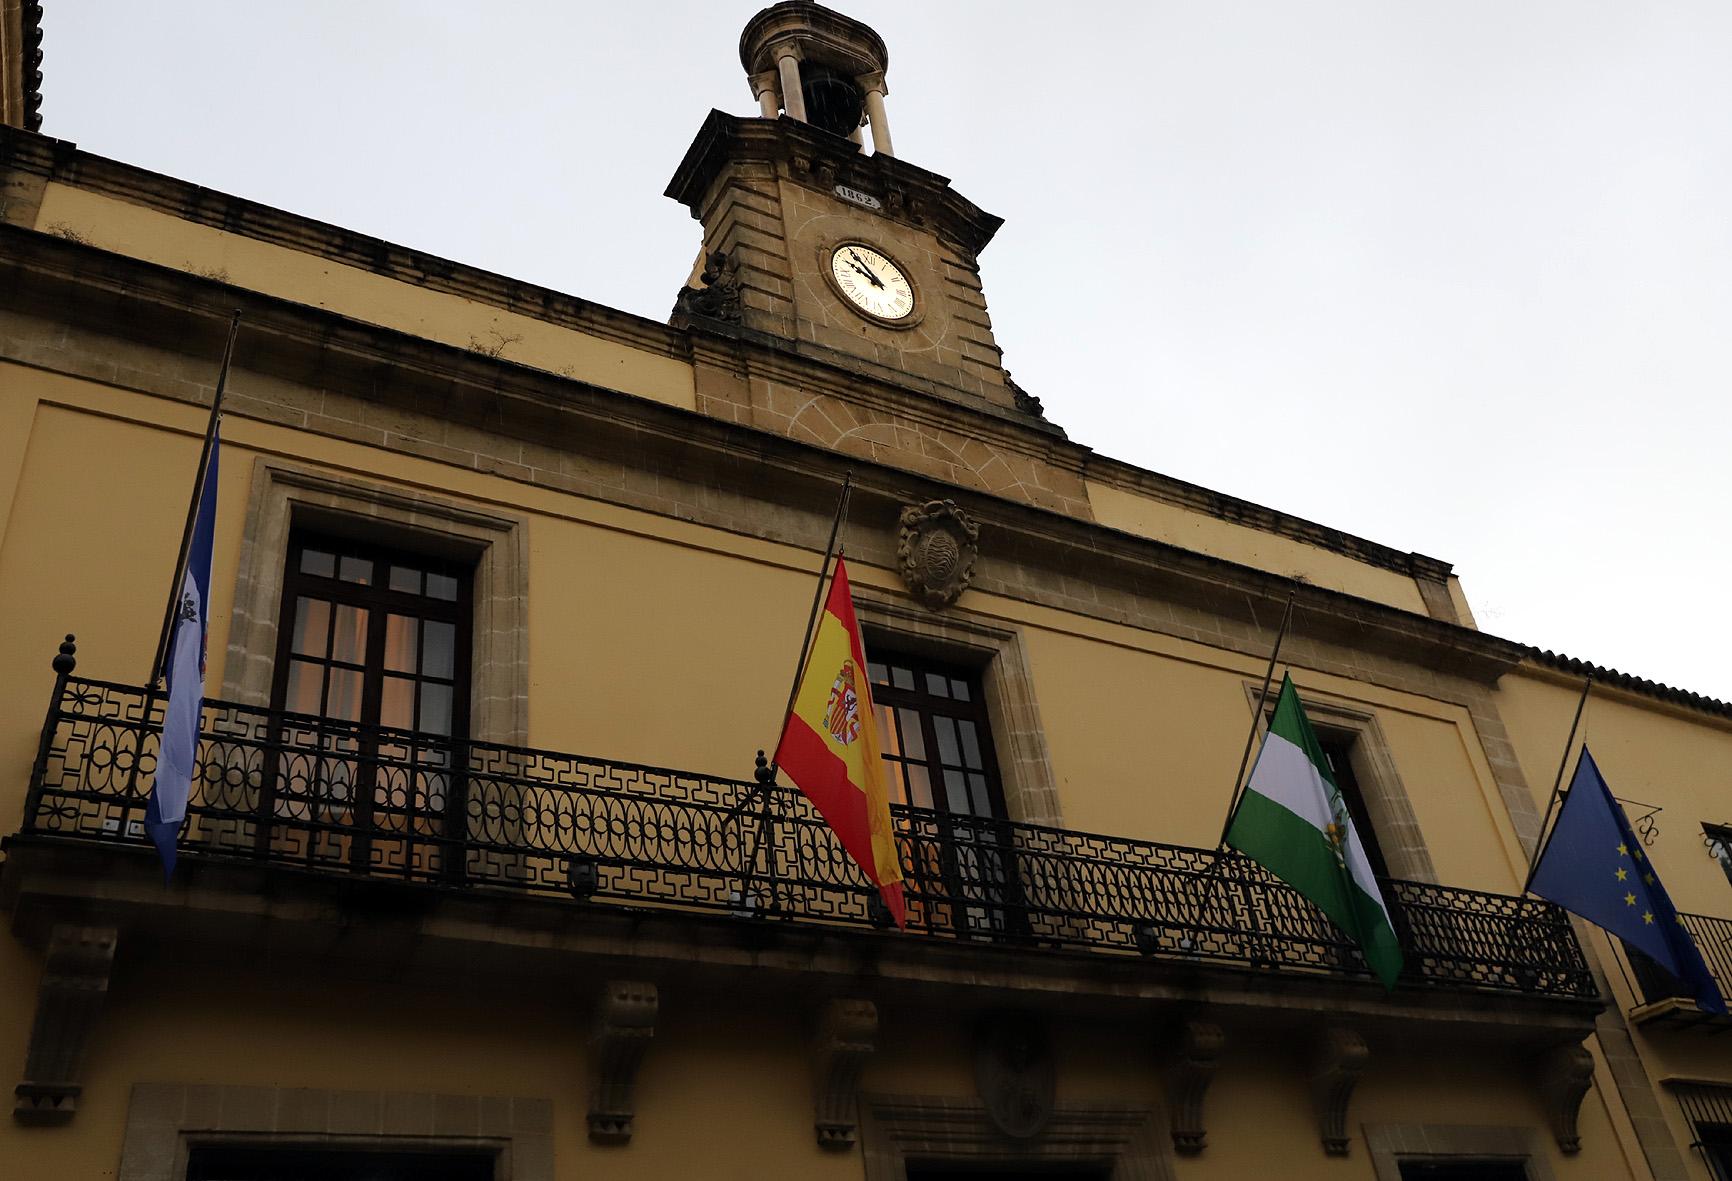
pixel 227 1162
pixel 1464 1170
pixel 1718 838
pixel 1338 749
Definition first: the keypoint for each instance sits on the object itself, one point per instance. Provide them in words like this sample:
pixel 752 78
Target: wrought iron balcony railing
pixel 1713 938
pixel 291 790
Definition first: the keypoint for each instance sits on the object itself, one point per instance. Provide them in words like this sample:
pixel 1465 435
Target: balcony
pixel 1665 1001
pixel 379 811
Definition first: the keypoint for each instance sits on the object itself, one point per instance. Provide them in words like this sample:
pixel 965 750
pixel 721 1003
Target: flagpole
pixel 157 671
pixel 765 781
pixel 1257 717
pixel 1245 757
pixel 1557 784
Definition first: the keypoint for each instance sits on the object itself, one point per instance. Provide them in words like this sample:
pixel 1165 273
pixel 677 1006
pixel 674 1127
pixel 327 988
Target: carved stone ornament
pixel 719 297
pixel 847 1036
pixel 1015 1074
pixel 936 551
pixel 1197 1053
pixel 68 1001
pixel 625 1024
pixel 1566 1072
pixel 1340 1059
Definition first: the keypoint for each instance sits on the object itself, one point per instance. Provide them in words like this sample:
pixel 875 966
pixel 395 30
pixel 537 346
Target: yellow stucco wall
pixel 1147 517
pixel 632 619
pixel 162 238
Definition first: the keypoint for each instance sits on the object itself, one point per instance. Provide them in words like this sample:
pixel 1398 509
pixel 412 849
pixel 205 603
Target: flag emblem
pixel 842 715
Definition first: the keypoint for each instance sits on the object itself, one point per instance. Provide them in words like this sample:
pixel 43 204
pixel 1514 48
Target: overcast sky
pixel 1456 277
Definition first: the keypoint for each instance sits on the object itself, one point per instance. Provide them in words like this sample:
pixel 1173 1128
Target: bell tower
pixel 818 236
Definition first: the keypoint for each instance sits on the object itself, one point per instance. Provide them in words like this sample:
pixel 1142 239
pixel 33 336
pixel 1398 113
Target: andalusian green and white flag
pixel 1293 822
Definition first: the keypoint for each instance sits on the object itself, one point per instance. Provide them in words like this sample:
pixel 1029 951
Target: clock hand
pixel 870 277
pixel 865 268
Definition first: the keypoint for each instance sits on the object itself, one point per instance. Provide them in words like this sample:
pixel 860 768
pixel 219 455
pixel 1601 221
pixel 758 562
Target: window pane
pixel 919 786
pixel 937 686
pixel 948 752
pixel 977 793
pixel 397 703
pixel 959 689
pixel 406 580
pixel 318 563
pixel 349 635
pixel 343 695
pixel 911 733
pixel 956 793
pixel 359 570
pixel 441 586
pixel 312 626
pixel 306 681
pixel 902 678
pixel 438 648
pixel 435 708
pixel 970 747
pixel 400 631
pixel 877 673
pixel 886 730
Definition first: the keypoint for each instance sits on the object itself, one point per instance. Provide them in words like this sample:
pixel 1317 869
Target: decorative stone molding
pixel 719 297
pixel 1015 1074
pixel 1341 1055
pixel 1120 1140
pixel 1197 1054
pixel 936 551
pixel 847 1036
pixel 625 1024
pixel 1566 1072
pixel 68 1001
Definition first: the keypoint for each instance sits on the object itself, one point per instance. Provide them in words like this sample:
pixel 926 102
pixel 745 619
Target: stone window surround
pixel 1390 1144
pixel 1024 768
pixel 284 496
pixel 1398 832
pixel 164 1120
pixel 896 1129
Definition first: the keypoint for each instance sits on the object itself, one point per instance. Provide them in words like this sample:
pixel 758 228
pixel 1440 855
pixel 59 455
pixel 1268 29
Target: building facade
pixel 482 878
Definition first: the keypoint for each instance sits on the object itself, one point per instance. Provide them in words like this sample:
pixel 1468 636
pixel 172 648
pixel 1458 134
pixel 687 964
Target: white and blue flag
pixel 186 651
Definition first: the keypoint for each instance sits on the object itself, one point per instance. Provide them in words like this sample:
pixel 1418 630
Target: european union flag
pixel 1594 866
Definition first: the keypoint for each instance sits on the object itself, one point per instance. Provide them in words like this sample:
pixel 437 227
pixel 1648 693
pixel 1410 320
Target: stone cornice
pixel 63 162
pixel 1131 478
pixel 170 309
pixel 807 156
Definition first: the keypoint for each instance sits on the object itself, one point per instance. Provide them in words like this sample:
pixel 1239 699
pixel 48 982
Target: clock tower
pixel 820 240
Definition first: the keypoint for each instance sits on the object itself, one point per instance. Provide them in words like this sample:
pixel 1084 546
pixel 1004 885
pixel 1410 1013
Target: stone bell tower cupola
pixel 816 246
pixel 820 67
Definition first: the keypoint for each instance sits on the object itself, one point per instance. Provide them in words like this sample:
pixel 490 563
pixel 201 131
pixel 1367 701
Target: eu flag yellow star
pixel 1623 873
pixel 1648 916
pixel 1629 900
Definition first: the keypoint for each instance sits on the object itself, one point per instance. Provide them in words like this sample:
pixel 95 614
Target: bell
pixel 834 102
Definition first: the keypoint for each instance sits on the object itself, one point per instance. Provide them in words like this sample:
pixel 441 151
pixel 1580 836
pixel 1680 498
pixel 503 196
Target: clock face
pixel 872 282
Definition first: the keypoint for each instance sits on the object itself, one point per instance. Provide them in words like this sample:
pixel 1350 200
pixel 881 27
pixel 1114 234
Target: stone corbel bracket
pixel 625 1024
pixel 68 1001
pixel 1340 1058
pixel 847 1036
pixel 1566 1072
pixel 1197 1052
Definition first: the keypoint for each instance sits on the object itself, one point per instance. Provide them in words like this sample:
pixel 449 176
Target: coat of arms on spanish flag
pixel 829 747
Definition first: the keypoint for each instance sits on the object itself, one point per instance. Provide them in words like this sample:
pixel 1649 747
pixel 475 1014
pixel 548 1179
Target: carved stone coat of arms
pixel 936 551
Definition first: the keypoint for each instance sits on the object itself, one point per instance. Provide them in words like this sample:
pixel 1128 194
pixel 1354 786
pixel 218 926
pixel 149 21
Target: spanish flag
pixel 829 747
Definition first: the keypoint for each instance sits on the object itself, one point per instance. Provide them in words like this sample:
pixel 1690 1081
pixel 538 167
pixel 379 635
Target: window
pixel 226 1162
pixel 1709 1109
pixel 1338 749
pixel 1464 1170
pixel 1718 838
pixel 373 649
pixel 946 1171
pixel 937 748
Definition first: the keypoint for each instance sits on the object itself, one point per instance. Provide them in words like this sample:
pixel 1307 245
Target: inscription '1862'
pixel 858 198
